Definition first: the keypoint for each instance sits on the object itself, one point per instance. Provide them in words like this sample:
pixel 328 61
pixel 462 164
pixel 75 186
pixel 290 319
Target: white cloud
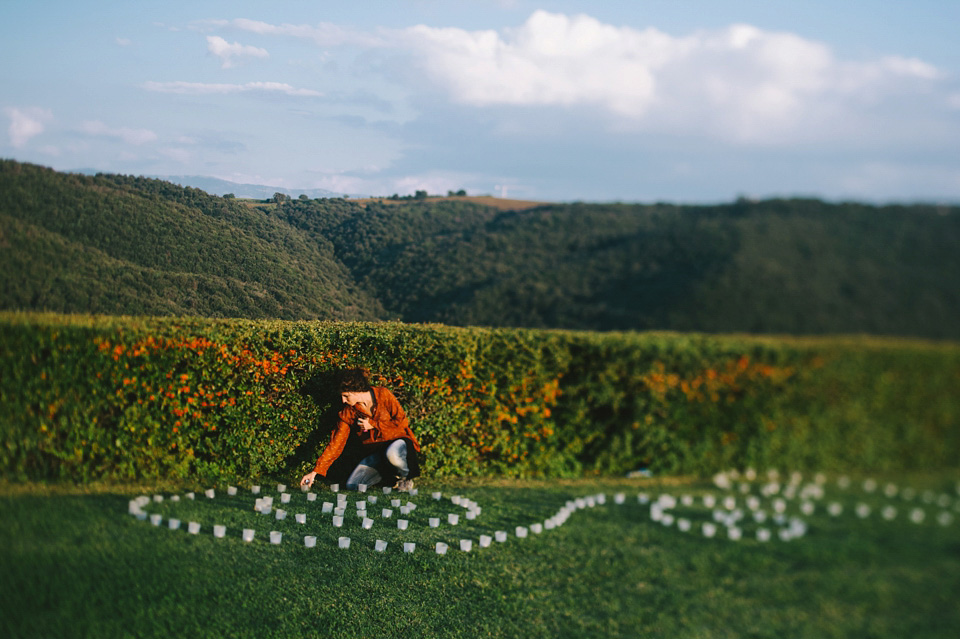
pixel 324 34
pixel 740 83
pixel 130 136
pixel 229 52
pixel 183 156
pixel 26 123
pixel 124 42
pixel 201 88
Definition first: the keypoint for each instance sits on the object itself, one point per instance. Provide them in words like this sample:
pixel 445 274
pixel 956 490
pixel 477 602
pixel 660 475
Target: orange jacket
pixel 389 423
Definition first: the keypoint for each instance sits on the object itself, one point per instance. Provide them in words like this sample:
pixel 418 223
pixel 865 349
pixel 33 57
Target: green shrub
pixel 84 398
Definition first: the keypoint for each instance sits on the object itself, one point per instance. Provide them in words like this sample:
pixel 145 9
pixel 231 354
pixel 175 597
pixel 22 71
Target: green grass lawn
pixel 74 563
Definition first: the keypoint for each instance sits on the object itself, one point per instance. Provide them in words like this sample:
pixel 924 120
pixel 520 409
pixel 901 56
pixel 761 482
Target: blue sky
pixel 639 100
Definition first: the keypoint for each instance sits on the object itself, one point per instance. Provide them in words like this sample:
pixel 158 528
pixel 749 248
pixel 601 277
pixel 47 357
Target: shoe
pixel 403 485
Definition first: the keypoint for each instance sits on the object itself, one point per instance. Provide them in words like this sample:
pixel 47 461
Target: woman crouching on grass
pixel 373 429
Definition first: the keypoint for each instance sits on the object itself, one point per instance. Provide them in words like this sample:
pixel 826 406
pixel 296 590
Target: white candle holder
pixel 380 545
pixel 281 488
pixel 536 529
pixel 372 499
pixel 471 515
pixel 190 496
pixel 709 530
pixel 466 545
pixel 734 533
pixel 337 521
pixel 311 496
pixel 156 520
pixel 387 490
pixel 437 496
pixel 281 514
pixel 210 493
pixel 362 488
pixel 335 487
pixel 402 524
pixel 301 518
pixel 285 498
pixel 157 499
pixel 434 522
pixel 441 548
pixel 276 537
pixel 485 540
pixel 453 519
pixel 174 497
pixel 500 536
pixel 174 524
pixel 193 528
pixel 395 503
pixel 344 542
pixel 231 490
pixel 327 507
pixel 367 523
pixel 619 498
pixel 521 532
pixel 219 531
pixel 309 541
pixel 386 513
pixel 247 535
pixel 255 490
pixel 763 535
pixel 409 546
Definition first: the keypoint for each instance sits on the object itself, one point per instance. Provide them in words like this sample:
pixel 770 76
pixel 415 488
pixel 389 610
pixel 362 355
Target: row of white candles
pixel 791 528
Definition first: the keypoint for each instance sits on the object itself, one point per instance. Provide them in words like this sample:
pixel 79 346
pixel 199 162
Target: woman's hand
pixel 364 424
pixel 307 479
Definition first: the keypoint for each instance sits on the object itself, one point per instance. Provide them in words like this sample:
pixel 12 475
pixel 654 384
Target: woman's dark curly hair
pixel 354 380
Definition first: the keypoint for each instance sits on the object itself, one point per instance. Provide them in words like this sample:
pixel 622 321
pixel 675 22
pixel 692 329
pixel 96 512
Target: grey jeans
pixel 366 471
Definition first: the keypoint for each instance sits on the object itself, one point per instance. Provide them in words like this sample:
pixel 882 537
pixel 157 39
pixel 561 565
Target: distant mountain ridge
pixel 124 245
pixel 217 186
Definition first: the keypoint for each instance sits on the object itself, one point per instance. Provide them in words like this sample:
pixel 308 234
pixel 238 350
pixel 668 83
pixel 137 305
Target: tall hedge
pixel 84 398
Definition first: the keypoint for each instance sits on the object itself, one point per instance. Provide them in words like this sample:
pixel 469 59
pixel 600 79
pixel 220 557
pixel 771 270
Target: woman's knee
pixel 397 453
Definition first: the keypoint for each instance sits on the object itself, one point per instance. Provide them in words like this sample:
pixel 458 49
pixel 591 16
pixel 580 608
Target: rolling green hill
pixel 117 245
pixel 123 245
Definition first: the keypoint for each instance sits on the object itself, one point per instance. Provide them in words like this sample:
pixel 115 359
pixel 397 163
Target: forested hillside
pixel 777 266
pixel 120 245
pixel 112 244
